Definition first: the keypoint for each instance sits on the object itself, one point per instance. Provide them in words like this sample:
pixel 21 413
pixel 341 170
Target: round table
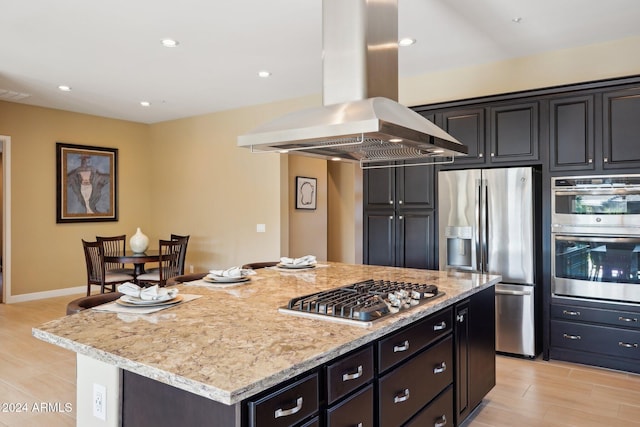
pixel 137 259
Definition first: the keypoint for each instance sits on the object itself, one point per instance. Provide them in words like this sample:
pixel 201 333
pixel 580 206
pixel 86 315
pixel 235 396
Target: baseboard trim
pixel 46 294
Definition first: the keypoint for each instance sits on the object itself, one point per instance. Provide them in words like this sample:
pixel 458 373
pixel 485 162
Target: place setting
pixel 229 277
pixel 141 300
pixel 306 262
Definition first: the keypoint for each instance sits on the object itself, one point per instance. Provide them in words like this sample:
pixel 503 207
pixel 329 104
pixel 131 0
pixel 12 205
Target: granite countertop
pixel 232 342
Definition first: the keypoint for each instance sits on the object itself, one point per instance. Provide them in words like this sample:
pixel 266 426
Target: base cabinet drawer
pixel 409 387
pixel 596 315
pixel 357 410
pixel 349 373
pixel 402 344
pixel 286 407
pixel 596 339
pixel 439 413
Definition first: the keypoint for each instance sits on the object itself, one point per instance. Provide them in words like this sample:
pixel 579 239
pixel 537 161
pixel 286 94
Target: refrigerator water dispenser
pixel 459 247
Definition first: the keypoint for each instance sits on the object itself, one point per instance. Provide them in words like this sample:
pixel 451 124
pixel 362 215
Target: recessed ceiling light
pixel 407 41
pixel 145 103
pixel 336 159
pixel 516 20
pixel 395 140
pixel 283 151
pixel 264 74
pixel 169 43
pixel 65 88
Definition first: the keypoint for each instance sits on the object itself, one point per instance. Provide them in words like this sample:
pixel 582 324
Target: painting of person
pixel 88 184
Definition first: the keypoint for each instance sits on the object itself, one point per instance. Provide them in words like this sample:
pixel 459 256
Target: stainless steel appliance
pixel 486 224
pixel 362 303
pixel 595 248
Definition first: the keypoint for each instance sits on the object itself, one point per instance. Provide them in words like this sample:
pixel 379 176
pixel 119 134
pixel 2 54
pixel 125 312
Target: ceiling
pixel 110 52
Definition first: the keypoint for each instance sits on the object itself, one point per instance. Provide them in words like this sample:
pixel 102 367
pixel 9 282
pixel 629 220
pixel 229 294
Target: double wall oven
pixel 596 237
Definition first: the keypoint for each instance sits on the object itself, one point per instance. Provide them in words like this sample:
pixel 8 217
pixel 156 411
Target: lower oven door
pixel 596 266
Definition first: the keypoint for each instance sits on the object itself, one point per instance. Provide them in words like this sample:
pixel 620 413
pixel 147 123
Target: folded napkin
pixel 151 293
pixel 232 272
pixel 305 260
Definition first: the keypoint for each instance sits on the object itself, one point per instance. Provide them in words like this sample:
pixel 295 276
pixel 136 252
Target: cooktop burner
pixel 362 303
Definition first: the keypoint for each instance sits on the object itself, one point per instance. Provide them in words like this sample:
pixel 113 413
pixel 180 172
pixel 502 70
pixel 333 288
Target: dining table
pixel 138 259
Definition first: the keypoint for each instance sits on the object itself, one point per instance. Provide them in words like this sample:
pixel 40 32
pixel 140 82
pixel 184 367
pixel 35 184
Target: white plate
pixel 128 300
pixel 222 279
pixel 295 266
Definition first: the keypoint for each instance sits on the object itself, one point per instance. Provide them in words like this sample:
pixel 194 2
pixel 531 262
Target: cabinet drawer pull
pixel 627 319
pixel 359 425
pixel 440 369
pixel 441 422
pixel 403 347
pixel 401 397
pixel 440 326
pixel 572 337
pixel 286 412
pixel 355 375
pixel 627 345
pixel 571 313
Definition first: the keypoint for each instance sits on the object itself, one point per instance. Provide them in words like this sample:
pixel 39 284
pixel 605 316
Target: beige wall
pixel 188 176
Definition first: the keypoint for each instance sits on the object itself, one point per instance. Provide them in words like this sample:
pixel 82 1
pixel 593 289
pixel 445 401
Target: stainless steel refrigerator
pixel 486 224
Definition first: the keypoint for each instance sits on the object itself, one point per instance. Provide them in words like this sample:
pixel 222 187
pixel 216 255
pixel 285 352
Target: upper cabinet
pixel 494 133
pixel 621 129
pixel 514 133
pixel 571 133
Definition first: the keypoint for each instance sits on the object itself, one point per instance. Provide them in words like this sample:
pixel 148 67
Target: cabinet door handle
pixel 440 326
pixel 390 202
pixel 402 396
pixel 286 412
pixel 627 345
pixel 440 422
pixel 571 313
pixel 627 319
pixel 402 347
pixel 572 337
pixel 355 375
pixel 400 217
pixel 440 369
pixel 399 202
pixel 359 425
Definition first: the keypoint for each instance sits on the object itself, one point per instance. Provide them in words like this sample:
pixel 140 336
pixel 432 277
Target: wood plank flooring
pixel 527 394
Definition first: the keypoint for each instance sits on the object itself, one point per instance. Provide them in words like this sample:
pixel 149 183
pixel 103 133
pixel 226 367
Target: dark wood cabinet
pixel 596 333
pixel 357 410
pixel 400 238
pixel 399 218
pixel 412 385
pixel 474 351
pixel 438 413
pixel 514 131
pixel 572 133
pixel 468 127
pixel 620 129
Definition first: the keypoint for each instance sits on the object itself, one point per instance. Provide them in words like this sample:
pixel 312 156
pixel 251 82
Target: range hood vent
pixel 361 119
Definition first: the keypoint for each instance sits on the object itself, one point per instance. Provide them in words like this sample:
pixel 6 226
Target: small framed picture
pixel 86 183
pixel 306 194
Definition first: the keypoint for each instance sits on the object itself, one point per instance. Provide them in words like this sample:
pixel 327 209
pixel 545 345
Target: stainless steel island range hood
pixel 361 119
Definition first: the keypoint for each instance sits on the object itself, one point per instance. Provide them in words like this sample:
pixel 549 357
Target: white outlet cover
pixel 261 228
pixel 100 401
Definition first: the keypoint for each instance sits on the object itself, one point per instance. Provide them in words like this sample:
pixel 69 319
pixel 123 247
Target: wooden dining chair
pixel 169 264
pixel 183 253
pixel 96 273
pixel 115 246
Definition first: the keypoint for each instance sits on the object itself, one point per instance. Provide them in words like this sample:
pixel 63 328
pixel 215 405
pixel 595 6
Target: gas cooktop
pixel 362 303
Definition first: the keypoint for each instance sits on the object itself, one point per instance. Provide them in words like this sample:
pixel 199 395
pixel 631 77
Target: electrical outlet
pixel 191 268
pixel 261 228
pixel 100 401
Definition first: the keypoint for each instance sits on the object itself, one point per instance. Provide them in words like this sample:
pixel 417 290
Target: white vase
pixel 139 242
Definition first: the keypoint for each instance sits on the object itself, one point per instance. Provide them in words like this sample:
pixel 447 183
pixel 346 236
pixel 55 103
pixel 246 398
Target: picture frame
pixel 86 183
pixel 306 192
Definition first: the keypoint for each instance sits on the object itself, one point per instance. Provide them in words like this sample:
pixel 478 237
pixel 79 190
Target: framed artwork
pixel 306 194
pixel 87 183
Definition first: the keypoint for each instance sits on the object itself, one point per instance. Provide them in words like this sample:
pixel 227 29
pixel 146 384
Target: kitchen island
pixel 232 345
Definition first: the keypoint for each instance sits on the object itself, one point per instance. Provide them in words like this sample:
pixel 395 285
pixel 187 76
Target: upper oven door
pixel 596 267
pixel 597 206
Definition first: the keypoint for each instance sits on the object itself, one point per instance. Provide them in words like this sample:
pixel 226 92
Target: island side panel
pixel 90 371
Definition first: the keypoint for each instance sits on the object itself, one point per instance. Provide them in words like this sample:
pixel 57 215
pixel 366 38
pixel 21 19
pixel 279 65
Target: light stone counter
pixel 233 343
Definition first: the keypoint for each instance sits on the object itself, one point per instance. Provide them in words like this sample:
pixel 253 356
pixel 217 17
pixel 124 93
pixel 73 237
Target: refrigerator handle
pixel 485 228
pixel 478 227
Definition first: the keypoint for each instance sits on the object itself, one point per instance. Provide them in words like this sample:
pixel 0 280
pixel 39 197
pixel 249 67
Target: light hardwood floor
pixel 528 393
